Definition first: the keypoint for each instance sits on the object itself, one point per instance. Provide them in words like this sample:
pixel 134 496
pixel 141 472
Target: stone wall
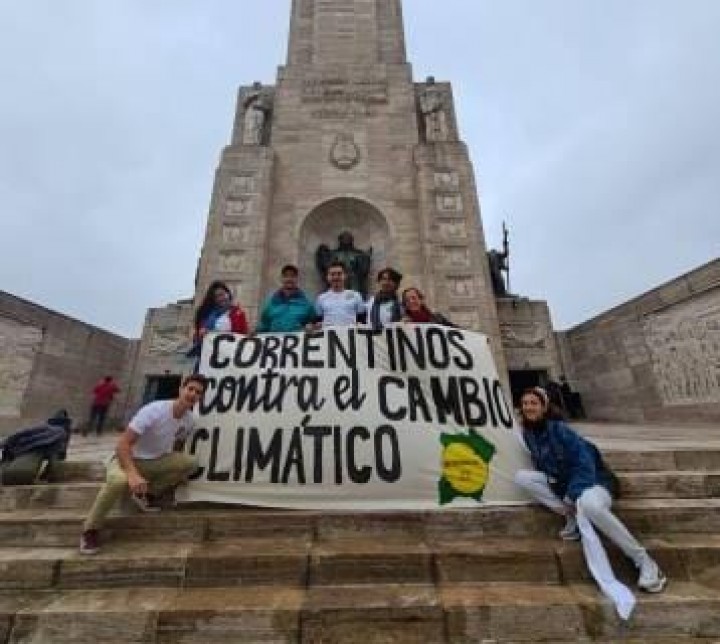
pixel 527 336
pixel 654 358
pixel 50 361
pixel 165 341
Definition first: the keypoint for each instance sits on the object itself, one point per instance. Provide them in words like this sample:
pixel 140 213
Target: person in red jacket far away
pixel 103 393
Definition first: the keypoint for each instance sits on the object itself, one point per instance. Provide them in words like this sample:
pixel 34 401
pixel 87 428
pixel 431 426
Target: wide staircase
pixel 213 574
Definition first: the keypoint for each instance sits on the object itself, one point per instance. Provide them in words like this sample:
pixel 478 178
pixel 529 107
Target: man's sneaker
pixel 145 502
pixel 651 578
pixel 89 542
pixel 570 532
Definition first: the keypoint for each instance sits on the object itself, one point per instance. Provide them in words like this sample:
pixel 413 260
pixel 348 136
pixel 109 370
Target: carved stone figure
pixel 257 113
pixel 357 262
pixel 432 107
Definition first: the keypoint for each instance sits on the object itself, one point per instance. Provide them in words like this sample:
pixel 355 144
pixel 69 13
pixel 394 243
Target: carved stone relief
pixel 449 180
pixel 345 154
pixel 168 342
pixel 449 202
pixel 258 109
pixel 236 234
pixel 453 257
pixel 238 208
pixel 232 262
pixel 240 186
pixel 433 108
pixel 452 229
pixel 684 344
pixel 523 336
pixel 461 286
pixel 19 344
pixel 465 319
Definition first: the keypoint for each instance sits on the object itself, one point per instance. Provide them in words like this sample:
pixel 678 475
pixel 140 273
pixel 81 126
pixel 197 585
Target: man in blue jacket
pixel 288 309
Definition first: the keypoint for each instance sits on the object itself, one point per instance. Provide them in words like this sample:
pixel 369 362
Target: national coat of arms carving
pixel 345 153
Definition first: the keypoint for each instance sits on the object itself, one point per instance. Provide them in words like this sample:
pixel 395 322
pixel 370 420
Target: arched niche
pixel 327 221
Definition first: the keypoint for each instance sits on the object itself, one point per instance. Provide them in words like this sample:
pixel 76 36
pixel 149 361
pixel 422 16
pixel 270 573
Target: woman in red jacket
pixel 217 313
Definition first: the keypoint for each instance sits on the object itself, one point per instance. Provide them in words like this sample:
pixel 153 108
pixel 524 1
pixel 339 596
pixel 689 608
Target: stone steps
pixel 208 574
pixel 663 460
pixel 420 613
pixel 22 528
pixel 296 562
pixel 634 485
pixel 620 460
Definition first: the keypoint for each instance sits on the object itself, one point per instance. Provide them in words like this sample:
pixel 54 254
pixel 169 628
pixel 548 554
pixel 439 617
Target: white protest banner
pixel 409 417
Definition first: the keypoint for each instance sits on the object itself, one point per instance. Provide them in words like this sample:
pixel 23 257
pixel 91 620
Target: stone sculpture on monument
pixel 257 112
pixel 357 262
pixel 432 106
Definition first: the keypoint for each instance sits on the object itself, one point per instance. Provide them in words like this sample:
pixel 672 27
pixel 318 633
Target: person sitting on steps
pixel 571 476
pixel 145 462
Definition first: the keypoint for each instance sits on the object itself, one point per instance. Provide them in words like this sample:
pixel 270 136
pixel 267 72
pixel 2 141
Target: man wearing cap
pixel 288 309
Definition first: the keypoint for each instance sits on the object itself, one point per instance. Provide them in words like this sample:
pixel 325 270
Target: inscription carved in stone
pixel 343 90
pixel 19 343
pixel 232 262
pixel 684 343
pixel 340 98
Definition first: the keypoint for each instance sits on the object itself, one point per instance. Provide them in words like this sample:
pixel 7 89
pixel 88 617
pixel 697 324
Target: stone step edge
pixel 215 511
pixel 459 611
pixel 340 561
pixel 247 546
pixel 95 483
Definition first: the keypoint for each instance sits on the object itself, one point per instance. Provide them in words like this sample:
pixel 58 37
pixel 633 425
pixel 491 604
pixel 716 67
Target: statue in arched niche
pixel 357 262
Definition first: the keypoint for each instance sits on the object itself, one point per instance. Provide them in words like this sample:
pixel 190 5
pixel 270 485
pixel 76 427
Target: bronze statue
pixel 356 262
pixel 499 263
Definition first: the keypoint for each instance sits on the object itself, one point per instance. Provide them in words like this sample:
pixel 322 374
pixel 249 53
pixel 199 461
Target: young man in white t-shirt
pixel 338 306
pixel 145 461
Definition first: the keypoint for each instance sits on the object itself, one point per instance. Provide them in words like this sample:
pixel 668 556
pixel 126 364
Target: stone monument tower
pixel 345 141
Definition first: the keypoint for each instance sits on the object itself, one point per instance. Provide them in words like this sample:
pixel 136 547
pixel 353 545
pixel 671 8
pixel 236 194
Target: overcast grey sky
pixel 593 126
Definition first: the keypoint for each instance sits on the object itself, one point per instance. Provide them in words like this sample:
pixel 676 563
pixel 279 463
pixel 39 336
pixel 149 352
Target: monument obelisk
pixel 347 141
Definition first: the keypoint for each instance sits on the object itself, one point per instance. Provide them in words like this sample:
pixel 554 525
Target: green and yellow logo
pixel 465 466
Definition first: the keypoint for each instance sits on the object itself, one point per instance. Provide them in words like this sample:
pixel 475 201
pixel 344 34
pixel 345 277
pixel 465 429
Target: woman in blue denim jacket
pixel 571 476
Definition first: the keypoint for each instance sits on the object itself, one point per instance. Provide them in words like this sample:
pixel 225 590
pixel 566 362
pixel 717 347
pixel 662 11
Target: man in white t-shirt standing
pixel 338 306
pixel 145 461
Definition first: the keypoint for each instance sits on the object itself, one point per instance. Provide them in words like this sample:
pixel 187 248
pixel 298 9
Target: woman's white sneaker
pixel 652 579
pixel 570 532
